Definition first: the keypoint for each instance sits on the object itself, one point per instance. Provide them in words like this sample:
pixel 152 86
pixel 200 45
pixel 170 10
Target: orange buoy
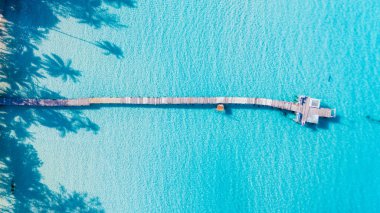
pixel 220 107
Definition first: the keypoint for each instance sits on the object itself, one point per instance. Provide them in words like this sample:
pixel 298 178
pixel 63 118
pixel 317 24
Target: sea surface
pixel 195 159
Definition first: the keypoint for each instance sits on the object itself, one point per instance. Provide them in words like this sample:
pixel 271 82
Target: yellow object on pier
pixel 220 108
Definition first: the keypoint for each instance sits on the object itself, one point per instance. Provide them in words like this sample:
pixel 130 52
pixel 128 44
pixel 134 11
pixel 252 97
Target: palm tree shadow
pixel 110 49
pixel 99 18
pixel 27 23
pixel 58 68
pixel 64 201
pixel 93 13
pixel 21 183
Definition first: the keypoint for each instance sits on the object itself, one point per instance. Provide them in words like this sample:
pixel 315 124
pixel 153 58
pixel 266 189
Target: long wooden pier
pixel 307 109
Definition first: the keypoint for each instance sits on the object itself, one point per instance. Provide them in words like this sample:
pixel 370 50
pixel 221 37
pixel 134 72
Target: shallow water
pixel 195 159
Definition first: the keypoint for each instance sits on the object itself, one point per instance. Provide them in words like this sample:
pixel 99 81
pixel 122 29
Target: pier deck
pixel 307 109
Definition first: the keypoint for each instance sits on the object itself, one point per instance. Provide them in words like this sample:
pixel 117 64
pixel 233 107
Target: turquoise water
pixel 196 159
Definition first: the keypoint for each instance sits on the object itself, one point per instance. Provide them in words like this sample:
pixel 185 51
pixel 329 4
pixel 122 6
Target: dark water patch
pixel 324 123
pixel 373 120
pixel 312 127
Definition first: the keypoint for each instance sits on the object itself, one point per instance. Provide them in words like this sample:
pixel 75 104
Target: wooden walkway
pixel 305 111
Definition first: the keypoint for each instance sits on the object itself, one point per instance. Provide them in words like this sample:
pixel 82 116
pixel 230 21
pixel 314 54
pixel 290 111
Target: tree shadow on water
pixel 24 24
pixel 93 12
pixel 20 161
pixel 56 67
pixel 110 49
